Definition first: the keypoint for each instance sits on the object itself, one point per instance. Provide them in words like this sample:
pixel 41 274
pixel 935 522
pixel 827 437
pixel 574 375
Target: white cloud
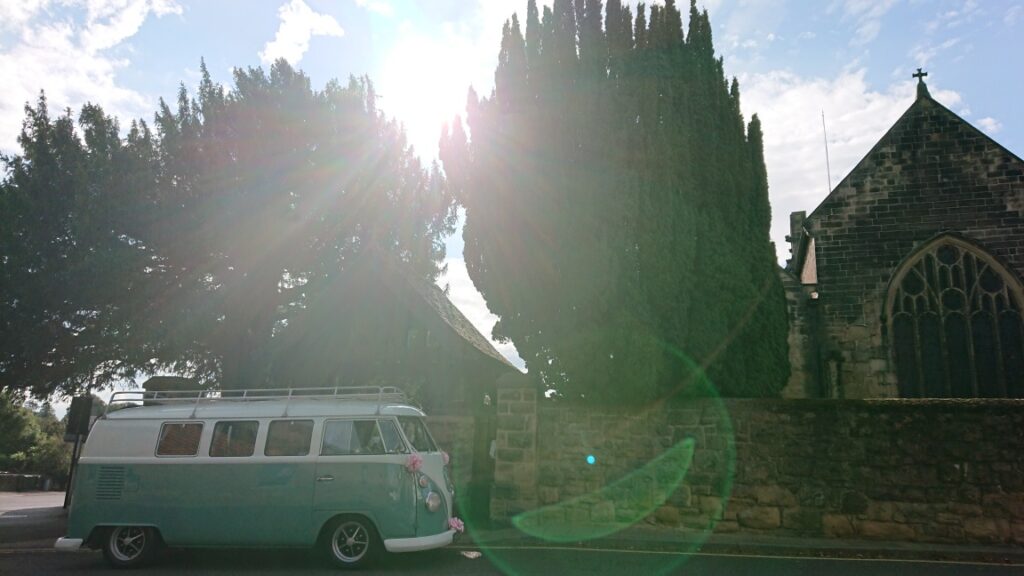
pixel 299 23
pixel 923 54
pixel 15 13
pixel 952 18
pixel 744 18
pixel 868 15
pixel 1013 14
pixel 990 125
pixel 74 61
pixel 381 7
pixel 110 22
pixel 464 295
pixel 790 108
pixel 741 24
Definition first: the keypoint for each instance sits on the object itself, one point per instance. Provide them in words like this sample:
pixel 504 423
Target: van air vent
pixel 110 483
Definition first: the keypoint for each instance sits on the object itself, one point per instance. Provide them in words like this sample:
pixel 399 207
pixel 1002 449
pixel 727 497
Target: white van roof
pixel 263 409
pixel 275 403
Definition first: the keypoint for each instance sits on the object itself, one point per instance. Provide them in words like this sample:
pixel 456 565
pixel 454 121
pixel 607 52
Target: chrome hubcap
pixel 128 542
pixel 350 541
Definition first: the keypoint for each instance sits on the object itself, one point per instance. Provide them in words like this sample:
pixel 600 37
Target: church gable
pixel 932 173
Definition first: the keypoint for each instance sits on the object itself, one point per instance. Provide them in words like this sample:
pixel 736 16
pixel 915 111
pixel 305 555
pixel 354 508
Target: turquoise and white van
pixel 353 471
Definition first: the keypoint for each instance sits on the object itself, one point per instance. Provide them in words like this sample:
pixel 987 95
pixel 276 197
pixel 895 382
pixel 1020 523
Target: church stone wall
pixel 932 173
pixel 895 470
pixel 802 360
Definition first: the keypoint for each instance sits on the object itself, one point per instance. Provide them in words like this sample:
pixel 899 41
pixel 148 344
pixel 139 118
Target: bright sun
pixel 423 85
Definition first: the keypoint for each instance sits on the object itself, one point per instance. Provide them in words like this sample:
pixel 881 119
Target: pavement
pixel 34 520
pixel 31 519
pixel 653 539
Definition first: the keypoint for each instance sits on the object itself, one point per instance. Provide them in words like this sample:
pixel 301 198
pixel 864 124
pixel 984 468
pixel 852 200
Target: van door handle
pixel 327 478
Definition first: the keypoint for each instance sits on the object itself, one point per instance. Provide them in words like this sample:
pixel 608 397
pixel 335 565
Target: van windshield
pixel 417 434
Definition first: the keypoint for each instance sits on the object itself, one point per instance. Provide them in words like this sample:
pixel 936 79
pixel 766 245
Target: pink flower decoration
pixel 444 455
pixel 414 463
pixel 456 524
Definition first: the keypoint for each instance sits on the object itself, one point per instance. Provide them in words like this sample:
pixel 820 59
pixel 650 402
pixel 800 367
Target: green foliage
pixel 59 311
pixel 50 456
pixel 18 429
pixel 617 209
pixel 31 441
pixel 188 246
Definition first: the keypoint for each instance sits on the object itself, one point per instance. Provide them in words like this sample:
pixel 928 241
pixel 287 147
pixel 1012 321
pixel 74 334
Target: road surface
pixel 453 562
pixel 30 517
pixel 30 522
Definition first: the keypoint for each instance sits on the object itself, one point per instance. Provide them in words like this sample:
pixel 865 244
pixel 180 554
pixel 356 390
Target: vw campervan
pixel 351 470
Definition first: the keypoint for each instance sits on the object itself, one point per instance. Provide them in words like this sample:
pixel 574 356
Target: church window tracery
pixel 956 326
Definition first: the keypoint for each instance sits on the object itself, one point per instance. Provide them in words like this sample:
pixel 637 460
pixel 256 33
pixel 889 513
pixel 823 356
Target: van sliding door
pixel 356 474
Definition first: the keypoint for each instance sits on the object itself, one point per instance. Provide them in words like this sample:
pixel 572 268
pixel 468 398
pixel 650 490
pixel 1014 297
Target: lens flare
pixel 684 488
pixel 642 492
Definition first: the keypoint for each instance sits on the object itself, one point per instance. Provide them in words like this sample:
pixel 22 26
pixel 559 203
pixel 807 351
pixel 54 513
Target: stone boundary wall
pixel 515 465
pixel 947 471
pixel 454 435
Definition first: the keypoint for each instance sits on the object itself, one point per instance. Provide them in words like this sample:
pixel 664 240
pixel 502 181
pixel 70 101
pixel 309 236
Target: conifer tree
pixel 190 245
pixel 618 218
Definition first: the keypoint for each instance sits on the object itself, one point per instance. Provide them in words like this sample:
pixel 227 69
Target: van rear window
pixel 179 439
pixel 234 438
pixel 288 438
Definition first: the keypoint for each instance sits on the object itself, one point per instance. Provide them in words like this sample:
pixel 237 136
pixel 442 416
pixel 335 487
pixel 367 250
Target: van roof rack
pixel 377 394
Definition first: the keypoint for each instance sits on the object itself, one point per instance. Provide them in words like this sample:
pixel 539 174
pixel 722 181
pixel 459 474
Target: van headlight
pixel 423 481
pixel 433 502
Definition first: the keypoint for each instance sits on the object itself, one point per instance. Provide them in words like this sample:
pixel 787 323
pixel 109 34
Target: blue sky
pixel 851 59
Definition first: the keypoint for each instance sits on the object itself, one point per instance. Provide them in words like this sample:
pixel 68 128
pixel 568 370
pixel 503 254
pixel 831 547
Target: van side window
pixel 393 443
pixel 288 438
pixel 234 438
pixel 179 439
pixel 345 437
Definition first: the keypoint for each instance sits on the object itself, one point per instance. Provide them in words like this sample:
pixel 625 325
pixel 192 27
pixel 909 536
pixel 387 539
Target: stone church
pixel 905 282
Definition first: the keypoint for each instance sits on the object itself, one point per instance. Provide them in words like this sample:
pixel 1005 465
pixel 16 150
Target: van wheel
pixel 129 546
pixel 351 542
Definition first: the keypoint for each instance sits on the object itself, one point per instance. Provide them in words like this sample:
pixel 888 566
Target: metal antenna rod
pixel 828 168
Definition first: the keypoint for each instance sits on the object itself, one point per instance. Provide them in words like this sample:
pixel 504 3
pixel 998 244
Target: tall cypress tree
pixel 620 219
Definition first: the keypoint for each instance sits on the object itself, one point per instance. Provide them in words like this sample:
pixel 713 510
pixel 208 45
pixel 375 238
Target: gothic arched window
pixel 956 326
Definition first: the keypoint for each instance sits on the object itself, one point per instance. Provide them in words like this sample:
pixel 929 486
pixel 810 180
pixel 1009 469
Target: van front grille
pixel 110 483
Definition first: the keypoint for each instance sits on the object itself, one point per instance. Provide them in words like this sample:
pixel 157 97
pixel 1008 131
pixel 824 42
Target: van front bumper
pixel 68 543
pixel 417 544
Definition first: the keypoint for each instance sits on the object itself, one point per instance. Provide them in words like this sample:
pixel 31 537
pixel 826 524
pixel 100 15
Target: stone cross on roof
pixel 922 88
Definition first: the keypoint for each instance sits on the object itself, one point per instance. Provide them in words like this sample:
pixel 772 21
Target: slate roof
pixel 453 317
pixel 443 307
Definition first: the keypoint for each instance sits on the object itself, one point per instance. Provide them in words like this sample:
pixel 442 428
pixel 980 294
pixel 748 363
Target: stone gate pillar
pixel 515 467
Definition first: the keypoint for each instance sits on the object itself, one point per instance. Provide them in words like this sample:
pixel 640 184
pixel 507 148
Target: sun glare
pixel 423 85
